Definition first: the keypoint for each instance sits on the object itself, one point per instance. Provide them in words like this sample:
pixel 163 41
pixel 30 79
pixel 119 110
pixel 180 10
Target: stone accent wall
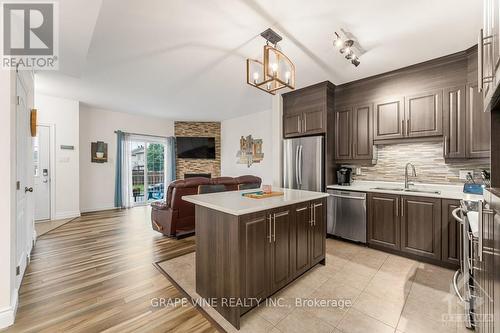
pixel 207 129
pixel 428 160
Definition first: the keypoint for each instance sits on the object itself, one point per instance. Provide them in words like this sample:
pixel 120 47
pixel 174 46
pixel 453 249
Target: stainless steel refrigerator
pixel 303 160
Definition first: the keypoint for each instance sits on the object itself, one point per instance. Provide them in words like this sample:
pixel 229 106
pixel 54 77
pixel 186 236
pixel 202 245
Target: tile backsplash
pixel 428 160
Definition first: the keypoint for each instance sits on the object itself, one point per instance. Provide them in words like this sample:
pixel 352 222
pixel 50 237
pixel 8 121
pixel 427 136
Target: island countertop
pixel 234 203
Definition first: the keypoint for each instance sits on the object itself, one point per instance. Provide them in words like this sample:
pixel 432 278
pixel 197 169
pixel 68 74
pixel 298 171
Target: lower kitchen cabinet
pixel 383 221
pixel 318 231
pixel 281 244
pixel 417 227
pixel 450 229
pixel 421 226
pixel 256 254
pixel 282 220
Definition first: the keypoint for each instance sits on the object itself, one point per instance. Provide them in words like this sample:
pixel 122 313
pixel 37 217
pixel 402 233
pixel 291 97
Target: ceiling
pixel 185 60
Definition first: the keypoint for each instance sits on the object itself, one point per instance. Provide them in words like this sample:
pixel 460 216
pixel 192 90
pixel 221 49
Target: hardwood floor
pixel 96 274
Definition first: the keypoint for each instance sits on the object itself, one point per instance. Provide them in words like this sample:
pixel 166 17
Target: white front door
pixel 24 172
pixel 42 173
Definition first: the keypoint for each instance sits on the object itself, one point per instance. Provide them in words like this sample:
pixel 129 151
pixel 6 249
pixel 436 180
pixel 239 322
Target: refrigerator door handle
pixel 300 164
pixel 297 165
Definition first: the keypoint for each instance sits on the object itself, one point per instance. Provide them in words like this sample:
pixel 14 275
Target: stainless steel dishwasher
pixel 347 215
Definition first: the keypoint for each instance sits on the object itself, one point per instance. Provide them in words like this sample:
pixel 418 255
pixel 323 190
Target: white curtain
pixel 127 195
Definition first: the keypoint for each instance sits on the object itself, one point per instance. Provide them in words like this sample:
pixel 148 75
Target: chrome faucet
pixel 414 174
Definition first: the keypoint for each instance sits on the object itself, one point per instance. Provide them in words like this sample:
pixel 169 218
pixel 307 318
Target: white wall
pixel 63 114
pixel 97 180
pixel 260 126
pixel 8 203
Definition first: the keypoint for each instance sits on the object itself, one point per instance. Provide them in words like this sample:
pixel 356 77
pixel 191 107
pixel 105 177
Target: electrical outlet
pixel 463 174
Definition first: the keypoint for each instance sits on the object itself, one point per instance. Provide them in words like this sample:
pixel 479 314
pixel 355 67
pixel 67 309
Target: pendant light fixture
pixel 275 71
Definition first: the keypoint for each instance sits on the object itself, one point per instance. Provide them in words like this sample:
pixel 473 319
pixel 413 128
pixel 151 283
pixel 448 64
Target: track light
pixel 345 46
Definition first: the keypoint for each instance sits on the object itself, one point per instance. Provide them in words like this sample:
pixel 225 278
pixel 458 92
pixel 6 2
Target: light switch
pixel 463 174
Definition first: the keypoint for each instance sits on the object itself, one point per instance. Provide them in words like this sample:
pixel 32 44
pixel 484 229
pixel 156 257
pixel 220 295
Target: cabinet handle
pixel 270 232
pixel 402 127
pixel 305 124
pixel 445 145
pixel 480 61
pixel 299 124
pixel 311 215
pixel 301 209
pixel 274 227
pixel 397 207
pixel 402 207
pixel 407 127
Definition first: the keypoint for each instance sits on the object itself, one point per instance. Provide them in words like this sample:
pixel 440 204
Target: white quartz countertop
pixel 232 202
pixel 446 191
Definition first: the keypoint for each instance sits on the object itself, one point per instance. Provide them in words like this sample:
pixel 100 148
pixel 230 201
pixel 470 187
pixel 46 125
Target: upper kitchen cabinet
pixel 478 125
pixel 466 127
pixel 424 114
pixel 454 140
pixel 488 52
pixel 389 119
pixel 354 133
pixel 305 110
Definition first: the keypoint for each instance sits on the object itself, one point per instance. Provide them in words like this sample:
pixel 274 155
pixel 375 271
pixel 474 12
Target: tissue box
pixel 473 189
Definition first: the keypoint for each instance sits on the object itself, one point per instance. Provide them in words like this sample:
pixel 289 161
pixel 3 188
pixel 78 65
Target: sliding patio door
pixel 147 167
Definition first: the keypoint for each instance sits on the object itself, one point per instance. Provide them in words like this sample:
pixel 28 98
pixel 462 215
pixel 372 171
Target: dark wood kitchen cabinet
pixel 421 226
pixel 282 220
pixel 389 119
pixel 343 139
pixel 362 132
pixel 450 237
pixel 305 110
pixel 383 221
pixel 251 256
pixel 424 114
pixel 489 53
pixel 318 231
pixel 354 133
pixel 454 115
pixel 309 234
pixel 256 254
pixel 478 124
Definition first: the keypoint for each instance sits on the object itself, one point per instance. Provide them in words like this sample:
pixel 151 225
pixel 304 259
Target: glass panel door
pixel 137 161
pixel 155 157
pixel 148 171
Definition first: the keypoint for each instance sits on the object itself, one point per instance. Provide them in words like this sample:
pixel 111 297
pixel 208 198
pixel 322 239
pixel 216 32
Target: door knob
pixel 28 189
pixel 45 181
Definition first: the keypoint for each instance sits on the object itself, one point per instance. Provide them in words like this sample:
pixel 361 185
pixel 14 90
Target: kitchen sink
pixel 389 188
pixel 400 189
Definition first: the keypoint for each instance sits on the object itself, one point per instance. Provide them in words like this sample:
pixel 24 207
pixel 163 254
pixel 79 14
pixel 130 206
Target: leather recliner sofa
pixel 175 217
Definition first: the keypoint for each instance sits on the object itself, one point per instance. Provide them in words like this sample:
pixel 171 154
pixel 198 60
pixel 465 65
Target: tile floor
pixel 388 294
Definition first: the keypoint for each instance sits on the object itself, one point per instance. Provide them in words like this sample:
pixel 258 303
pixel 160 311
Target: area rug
pixel 270 313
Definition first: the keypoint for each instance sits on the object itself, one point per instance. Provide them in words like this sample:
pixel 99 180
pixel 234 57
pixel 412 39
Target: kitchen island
pixel 247 249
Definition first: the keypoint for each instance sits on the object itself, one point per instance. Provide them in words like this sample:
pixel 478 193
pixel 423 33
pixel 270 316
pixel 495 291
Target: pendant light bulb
pixel 255 77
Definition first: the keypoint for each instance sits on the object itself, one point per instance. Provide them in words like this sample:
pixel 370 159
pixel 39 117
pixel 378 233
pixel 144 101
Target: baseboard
pixel 66 215
pixel 97 209
pixel 8 315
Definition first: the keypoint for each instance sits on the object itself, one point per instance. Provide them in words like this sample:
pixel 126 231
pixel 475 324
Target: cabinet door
pixel 301 248
pixel 314 121
pixel 318 231
pixel 292 125
pixel 343 141
pixel 280 248
pixel 421 226
pixel 478 125
pixel 486 50
pixel 450 233
pixel 388 118
pixel 424 114
pixel 362 136
pixel 454 114
pixel 257 240
pixel 383 220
